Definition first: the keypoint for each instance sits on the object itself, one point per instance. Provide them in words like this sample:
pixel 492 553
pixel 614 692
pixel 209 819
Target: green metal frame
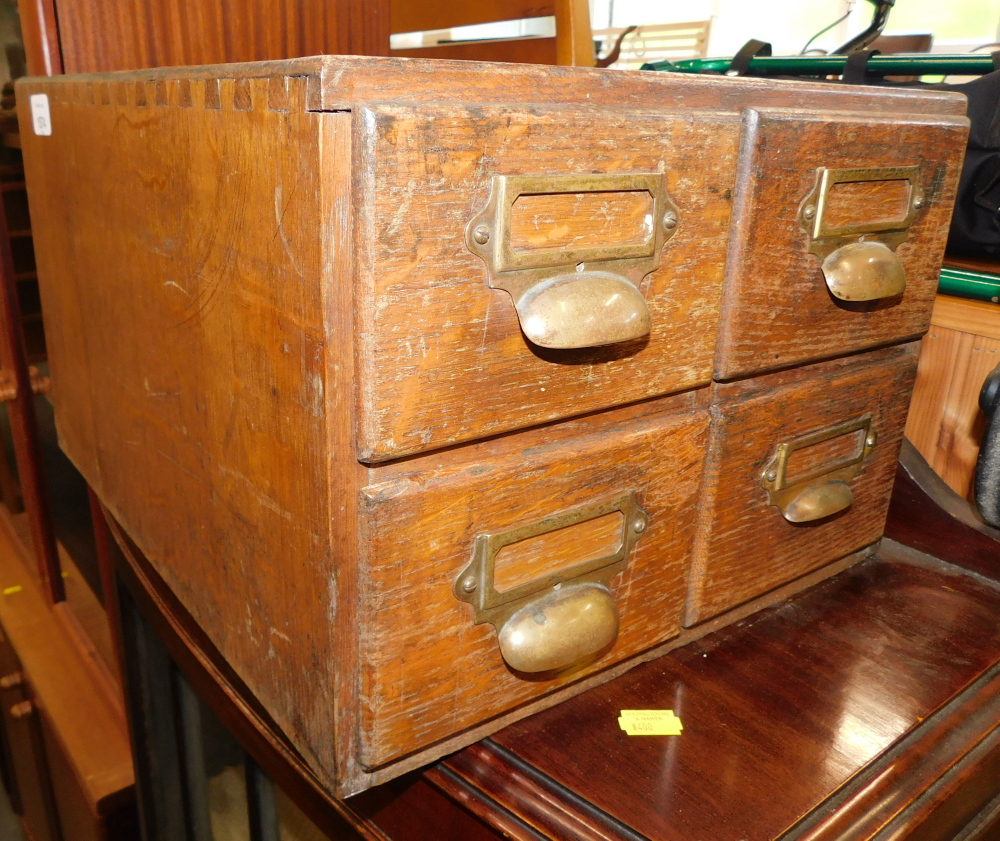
pixel 967 284
pixel 833 65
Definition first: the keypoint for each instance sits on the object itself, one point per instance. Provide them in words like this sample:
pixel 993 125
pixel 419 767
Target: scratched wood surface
pixel 777 310
pixel 441 355
pixel 558 550
pixel 745 546
pixel 210 302
pixel 422 655
pixel 197 409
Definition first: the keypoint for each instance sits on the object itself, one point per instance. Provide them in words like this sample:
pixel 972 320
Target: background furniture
pixel 945 423
pixel 572 44
pixel 655 42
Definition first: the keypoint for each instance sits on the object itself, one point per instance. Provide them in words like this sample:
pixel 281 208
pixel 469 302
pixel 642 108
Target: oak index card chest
pixel 438 392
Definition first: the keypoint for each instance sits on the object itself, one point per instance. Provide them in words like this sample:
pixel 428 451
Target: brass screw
pixel 870 440
pixel 809 212
pixel 918 202
pixel 469 584
pixel 639 526
pixel 481 235
pixel 669 220
pixel 771 475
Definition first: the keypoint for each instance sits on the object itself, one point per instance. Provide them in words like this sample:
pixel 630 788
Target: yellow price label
pixel 650 723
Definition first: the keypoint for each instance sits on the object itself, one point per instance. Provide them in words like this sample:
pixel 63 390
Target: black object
pixel 975 225
pixel 863 39
pixel 988 464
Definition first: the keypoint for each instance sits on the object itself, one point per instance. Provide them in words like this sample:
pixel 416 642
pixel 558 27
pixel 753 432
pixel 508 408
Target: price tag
pixel 650 723
pixel 41 120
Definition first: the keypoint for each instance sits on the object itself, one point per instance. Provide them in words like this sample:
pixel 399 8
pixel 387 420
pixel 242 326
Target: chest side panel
pixel 179 252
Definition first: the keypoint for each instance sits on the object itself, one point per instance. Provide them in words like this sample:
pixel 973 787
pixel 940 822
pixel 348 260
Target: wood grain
pixel 777 310
pixel 234 418
pixel 779 712
pixel 235 327
pixel 103 35
pixel 945 422
pixel 948 528
pixel 745 546
pixel 978 317
pixel 445 14
pixel 422 654
pixel 863 202
pixel 338 83
pixel 558 221
pixel 556 551
pixel 441 355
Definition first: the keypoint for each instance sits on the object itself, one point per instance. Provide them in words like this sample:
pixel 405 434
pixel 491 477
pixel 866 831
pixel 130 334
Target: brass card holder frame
pixel 859 260
pixel 573 297
pixel 559 619
pixel 824 491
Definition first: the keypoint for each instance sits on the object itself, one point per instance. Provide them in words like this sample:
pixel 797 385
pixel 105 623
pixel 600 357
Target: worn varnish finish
pixel 247 342
pixel 226 299
pixel 777 309
pixel 441 356
pixel 419 523
pixel 864 708
pixel 745 545
pixel 779 711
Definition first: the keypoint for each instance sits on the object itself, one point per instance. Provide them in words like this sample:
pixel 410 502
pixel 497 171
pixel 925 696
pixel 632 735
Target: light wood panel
pixel 945 423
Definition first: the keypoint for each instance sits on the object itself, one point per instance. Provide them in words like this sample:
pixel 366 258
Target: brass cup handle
pixel 823 491
pixel 858 259
pixel 564 627
pixel 819 500
pixel 560 619
pixel 586 309
pixel 864 271
pixel 574 297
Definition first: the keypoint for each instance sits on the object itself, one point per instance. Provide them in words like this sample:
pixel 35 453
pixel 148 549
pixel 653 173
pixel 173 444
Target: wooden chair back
pixel 656 42
pixel 572 44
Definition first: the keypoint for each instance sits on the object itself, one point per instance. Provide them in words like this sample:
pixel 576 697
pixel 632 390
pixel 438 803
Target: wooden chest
pixel 438 392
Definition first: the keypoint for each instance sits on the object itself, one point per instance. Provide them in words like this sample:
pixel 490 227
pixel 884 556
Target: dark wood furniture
pixel 865 707
pixel 296 397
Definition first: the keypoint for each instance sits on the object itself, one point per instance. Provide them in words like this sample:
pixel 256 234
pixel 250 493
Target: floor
pixel 10 824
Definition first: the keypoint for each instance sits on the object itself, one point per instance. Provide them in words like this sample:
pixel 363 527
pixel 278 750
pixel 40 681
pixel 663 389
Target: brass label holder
pixel 823 491
pixel 573 297
pixel 859 260
pixel 555 620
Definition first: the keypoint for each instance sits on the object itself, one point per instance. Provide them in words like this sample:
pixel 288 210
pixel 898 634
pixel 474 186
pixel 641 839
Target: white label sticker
pixel 41 121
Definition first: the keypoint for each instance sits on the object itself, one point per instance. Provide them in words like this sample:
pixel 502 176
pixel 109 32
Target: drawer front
pixel 798 474
pixel 839 227
pixel 480 227
pixel 492 580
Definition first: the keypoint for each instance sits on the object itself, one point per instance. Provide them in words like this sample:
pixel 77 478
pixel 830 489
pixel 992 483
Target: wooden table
pixel 866 707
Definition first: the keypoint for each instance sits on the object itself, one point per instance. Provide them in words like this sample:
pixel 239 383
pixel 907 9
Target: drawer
pixel 798 473
pixel 555 539
pixel 588 230
pixel 839 227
